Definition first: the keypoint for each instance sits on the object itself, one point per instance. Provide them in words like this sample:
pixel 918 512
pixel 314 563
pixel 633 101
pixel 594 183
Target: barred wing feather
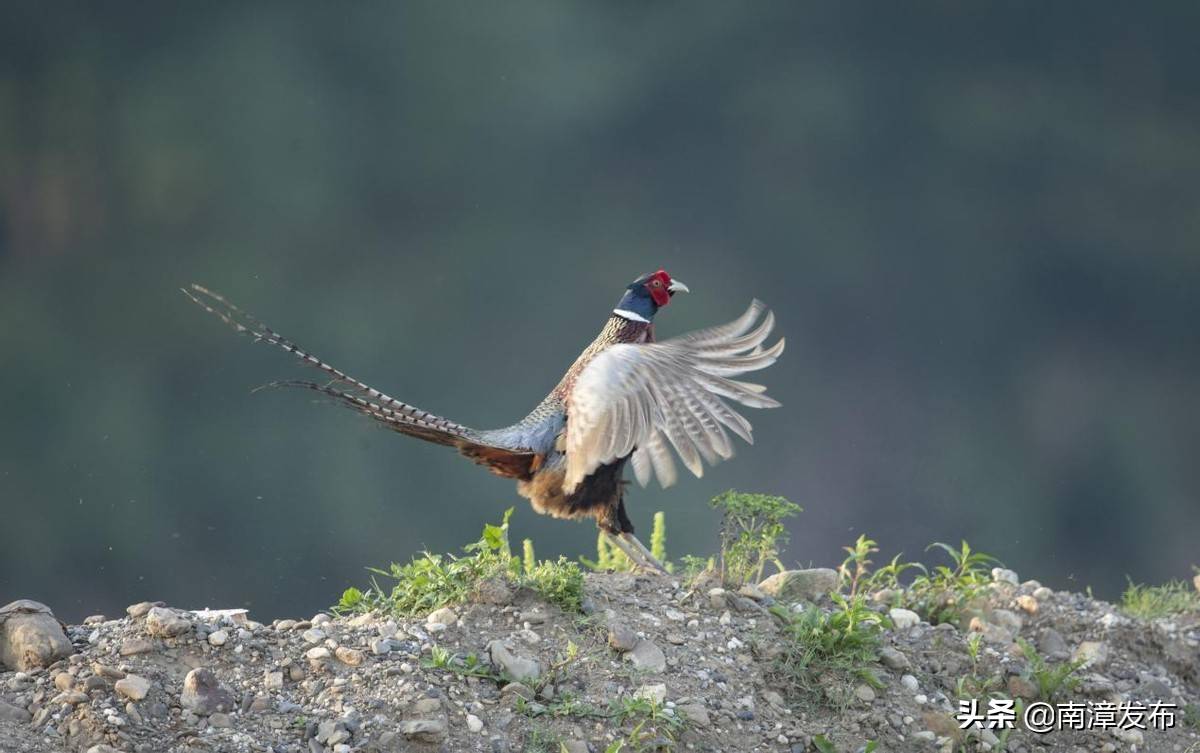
pixel 640 398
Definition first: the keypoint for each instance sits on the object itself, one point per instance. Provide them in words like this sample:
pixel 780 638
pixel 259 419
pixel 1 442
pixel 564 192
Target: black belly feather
pixel 599 496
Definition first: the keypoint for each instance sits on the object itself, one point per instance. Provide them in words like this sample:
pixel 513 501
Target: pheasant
pixel 627 399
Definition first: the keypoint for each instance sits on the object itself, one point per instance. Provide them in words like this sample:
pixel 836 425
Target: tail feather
pixel 509 461
pixel 432 428
pixel 246 324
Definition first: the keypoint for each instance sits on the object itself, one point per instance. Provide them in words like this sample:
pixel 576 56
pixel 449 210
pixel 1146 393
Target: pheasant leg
pixel 647 555
pixel 637 552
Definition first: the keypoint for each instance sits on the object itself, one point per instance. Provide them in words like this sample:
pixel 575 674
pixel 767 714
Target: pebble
pixel 141 608
pixel 656 692
pixel 648 657
pixel 474 723
pixel 893 659
pixel 105 671
pixel 1052 645
pixel 1093 654
pixel 800 585
pixel 135 646
pixel 444 616
pixel 864 693
pixel 349 656
pixel 203 694
pixel 621 637
pixel 133 687
pixel 166 623
pixel 1020 687
pixel 903 619
pixel 910 682
pixel 313 635
pixel 218 638
pixel 273 680
pixel 1003 575
pixel 695 713
pixel 519 668
pixel 1028 603
pixel 424 730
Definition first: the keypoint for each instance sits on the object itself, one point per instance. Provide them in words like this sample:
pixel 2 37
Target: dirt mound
pixel 653 664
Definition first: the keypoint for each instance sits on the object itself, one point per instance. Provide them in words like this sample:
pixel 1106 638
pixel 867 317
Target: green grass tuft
pixel 1052 680
pixel 752 533
pixel 1151 602
pixel 823 650
pixel 431 581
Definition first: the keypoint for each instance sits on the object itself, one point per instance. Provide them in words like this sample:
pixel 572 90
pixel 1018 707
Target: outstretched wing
pixel 641 398
pixel 347 391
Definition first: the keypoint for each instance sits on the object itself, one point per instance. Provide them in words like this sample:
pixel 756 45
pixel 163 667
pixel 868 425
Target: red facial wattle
pixel 658 285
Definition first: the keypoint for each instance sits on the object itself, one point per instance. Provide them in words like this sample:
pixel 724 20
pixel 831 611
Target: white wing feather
pixel 638 398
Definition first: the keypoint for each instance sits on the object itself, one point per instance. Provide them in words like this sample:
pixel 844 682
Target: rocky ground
pixel 160 679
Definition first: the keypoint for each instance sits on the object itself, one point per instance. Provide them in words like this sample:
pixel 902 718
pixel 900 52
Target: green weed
pixel 824 649
pixel 944 593
pixel 1150 602
pixel 431 581
pixel 1051 679
pixel 823 745
pixel 468 665
pixel 752 533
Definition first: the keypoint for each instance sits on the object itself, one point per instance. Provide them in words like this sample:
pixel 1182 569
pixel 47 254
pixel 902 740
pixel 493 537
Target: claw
pixel 637 553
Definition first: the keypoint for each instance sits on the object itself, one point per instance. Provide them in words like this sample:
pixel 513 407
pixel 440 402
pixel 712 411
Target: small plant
pixel 691 566
pixel 857 564
pixel 658 538
pixel 974 686
pixel 653 724
pixel 542 740
pixel 943 594
pixel 559 582
pixel 608 557
pixel 821 647
pixel 431 581
pixel 823 745
pixel 528 558
pixel 468 665
pixel 1191 716
pixel 1051 679
pixel 1151 602
pixel 752 533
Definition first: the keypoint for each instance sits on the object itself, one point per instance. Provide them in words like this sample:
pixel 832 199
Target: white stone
pixel 1004 575
pixel 474 723
pixel 444 616
pixel 903 619
pixel 218 638
pixel 133 687
pixel 656 692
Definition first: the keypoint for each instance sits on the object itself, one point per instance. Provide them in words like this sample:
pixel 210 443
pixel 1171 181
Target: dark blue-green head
pixel 647 294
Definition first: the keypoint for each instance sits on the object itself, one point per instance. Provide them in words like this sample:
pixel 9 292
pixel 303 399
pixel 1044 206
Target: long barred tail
pixel 354 394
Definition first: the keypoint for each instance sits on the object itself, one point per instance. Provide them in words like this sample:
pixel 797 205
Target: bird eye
pixel 657 283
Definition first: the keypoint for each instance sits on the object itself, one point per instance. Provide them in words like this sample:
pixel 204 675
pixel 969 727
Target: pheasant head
pixel 647 294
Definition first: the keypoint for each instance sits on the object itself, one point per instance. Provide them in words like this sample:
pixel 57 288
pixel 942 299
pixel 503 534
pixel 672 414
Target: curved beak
pixel 677 287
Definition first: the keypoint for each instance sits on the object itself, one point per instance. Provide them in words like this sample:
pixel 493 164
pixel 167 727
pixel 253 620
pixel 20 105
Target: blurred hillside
pixel 977 223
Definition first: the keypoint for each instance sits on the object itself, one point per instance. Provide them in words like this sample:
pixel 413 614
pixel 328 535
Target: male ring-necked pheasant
pixel 625 399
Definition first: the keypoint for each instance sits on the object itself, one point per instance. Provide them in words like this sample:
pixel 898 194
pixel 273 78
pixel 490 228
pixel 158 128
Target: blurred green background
pixel 977 223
